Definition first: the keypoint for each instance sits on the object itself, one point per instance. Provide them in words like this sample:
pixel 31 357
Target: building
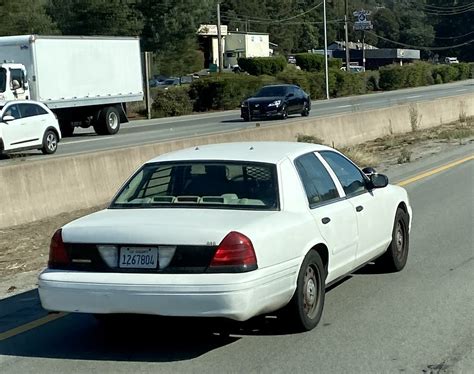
pixel 235 44
pixel 374 57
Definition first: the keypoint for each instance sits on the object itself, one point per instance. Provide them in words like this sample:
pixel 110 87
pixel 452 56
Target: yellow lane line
pixel 435 171
pixel 52 317
pixel 30 325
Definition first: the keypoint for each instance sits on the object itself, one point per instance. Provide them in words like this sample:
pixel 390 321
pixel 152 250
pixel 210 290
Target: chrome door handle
pixel 326 220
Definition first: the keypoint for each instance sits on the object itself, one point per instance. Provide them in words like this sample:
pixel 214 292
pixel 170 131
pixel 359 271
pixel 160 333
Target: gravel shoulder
pixel 24 248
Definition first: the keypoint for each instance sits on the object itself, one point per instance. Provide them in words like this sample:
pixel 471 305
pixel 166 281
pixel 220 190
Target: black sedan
pixel 276 101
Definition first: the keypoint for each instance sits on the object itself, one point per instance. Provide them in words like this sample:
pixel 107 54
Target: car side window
pixel 28 110
pixel 316 180
pixel 351 178
pixel 13 111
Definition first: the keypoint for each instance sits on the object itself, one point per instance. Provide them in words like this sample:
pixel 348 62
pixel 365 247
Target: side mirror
pixel 8 118
pixel 378 180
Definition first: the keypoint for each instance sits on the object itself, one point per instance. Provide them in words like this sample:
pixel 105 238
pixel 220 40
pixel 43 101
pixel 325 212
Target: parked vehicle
pixel 451 60
pixel 229 230
pixel 85 81
pixel 276 101
pixel 354 69
pixel 26 125
pixel 170 82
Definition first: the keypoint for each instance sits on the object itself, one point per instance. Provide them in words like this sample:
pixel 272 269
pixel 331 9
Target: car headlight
pixel 275 103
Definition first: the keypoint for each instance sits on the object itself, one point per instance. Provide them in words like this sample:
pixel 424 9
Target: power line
pixel 421 47
pixel 228 18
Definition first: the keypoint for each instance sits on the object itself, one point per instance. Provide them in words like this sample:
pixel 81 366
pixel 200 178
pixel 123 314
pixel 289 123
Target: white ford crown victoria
pixel 229 230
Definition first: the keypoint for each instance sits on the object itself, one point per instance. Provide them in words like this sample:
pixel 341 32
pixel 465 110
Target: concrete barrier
pixel 41 188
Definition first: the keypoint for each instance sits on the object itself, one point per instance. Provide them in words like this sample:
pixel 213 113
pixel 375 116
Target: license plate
pixel 138 257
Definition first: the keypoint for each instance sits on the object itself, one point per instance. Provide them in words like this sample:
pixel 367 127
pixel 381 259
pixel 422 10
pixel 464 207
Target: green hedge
pixel 225 91
pixel 315 62
pixel 174 101
pixel 263 65
pixel 394 77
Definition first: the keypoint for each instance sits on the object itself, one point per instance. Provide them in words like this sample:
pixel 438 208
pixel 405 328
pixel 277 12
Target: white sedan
pixel 27 124
pixel 229 230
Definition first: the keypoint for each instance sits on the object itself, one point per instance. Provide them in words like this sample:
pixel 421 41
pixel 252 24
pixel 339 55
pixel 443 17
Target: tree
pixel 96 17
pixel 25 17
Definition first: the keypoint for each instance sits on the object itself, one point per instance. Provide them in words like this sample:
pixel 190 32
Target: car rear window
pixel 201 184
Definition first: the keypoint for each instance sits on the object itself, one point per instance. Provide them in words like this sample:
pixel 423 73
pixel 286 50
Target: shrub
pixel 348 84
pixel 448 73
pixel 463 70
pixel 263 65
pixel 394 77
pixel 172 102
pixel 372 80
pixel 225 91
pixel 315 62
pixel 293 76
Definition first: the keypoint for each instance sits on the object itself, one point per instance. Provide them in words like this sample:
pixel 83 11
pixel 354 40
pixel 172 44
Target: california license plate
pixel 138 257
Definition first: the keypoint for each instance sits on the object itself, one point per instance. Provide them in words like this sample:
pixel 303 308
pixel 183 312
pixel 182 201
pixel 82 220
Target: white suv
pixel 26 124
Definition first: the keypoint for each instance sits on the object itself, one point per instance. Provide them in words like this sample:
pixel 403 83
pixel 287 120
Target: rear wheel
pixel 109 121
pixel 306 307
pixel 395 258
pixel 50 142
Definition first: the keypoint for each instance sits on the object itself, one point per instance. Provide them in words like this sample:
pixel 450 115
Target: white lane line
pixel 343 106
pixel 414 97
pixel 85 141
pixel 461 90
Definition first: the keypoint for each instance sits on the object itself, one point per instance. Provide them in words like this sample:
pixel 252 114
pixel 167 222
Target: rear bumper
pixel 236 296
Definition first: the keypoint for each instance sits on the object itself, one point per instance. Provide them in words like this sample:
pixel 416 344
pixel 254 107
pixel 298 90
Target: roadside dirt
pixel 24 248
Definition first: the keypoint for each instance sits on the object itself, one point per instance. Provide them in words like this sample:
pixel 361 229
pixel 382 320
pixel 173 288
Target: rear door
pixel 334 216
pixel 35 120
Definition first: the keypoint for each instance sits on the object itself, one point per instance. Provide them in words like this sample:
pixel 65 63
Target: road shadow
pixel 125 338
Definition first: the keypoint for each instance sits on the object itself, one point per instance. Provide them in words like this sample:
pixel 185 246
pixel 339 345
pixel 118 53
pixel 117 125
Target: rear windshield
pixel 202 184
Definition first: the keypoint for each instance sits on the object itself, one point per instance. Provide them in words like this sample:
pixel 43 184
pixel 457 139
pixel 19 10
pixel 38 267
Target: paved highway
pixel 157 130
pixel 417 321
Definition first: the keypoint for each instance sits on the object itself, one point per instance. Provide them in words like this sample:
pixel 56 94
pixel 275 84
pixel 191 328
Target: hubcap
pixel 310 292
pixel 399 239
pixel 51 142
pixel 113 120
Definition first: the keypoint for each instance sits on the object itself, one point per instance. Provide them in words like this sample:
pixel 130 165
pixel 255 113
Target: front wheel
pixel 306 307
pixel 305 112
pixel 50 142
pixel 395 258
pixel 284 112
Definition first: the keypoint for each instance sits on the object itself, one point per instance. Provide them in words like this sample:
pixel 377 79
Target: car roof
pixel 281 85
pixel 268 152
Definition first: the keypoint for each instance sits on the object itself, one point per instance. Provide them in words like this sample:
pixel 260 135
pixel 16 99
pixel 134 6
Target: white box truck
pixel 85 81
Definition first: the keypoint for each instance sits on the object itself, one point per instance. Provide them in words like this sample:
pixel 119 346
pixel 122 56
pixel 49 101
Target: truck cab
pixel 13 82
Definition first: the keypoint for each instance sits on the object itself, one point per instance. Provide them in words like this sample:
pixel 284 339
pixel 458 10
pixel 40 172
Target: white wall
pixel 257 45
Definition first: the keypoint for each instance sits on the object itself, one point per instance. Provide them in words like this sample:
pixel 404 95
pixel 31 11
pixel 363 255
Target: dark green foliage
pixel 174 101
pixel 21 17
pixel 372 78
pixel 263 65
pixel 225 91
pixel 447 73
pixel 315 62
pixel 348 84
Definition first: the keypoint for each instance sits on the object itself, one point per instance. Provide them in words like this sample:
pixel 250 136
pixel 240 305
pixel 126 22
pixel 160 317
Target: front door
pixel 334 216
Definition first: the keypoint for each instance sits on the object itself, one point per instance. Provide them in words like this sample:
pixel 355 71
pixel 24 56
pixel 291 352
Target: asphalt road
pixel 157 130
pixel 417 321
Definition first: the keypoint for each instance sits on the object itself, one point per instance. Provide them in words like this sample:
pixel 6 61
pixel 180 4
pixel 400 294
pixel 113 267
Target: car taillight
pixel 57 251
pixel 234 254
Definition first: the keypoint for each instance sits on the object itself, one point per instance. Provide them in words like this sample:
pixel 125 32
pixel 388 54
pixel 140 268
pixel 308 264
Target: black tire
pixel 395 258
pixel 305 112
pixel 50 142
pixel 67 129
pixel 310 287
pixel 284 112
pixel 109 121
pixel 247 118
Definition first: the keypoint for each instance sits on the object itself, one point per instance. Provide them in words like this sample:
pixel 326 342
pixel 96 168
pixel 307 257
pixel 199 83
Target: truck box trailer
pixel 85 81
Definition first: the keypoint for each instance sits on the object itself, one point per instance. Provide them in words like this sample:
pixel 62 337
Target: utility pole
pixel 219 38
pixel 326 51
pixel 363 49
pixel 346 27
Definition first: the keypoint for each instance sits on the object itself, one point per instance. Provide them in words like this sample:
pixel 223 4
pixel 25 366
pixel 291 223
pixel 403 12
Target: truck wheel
pixel 109 121
pixel 50 142
pixel 67 129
